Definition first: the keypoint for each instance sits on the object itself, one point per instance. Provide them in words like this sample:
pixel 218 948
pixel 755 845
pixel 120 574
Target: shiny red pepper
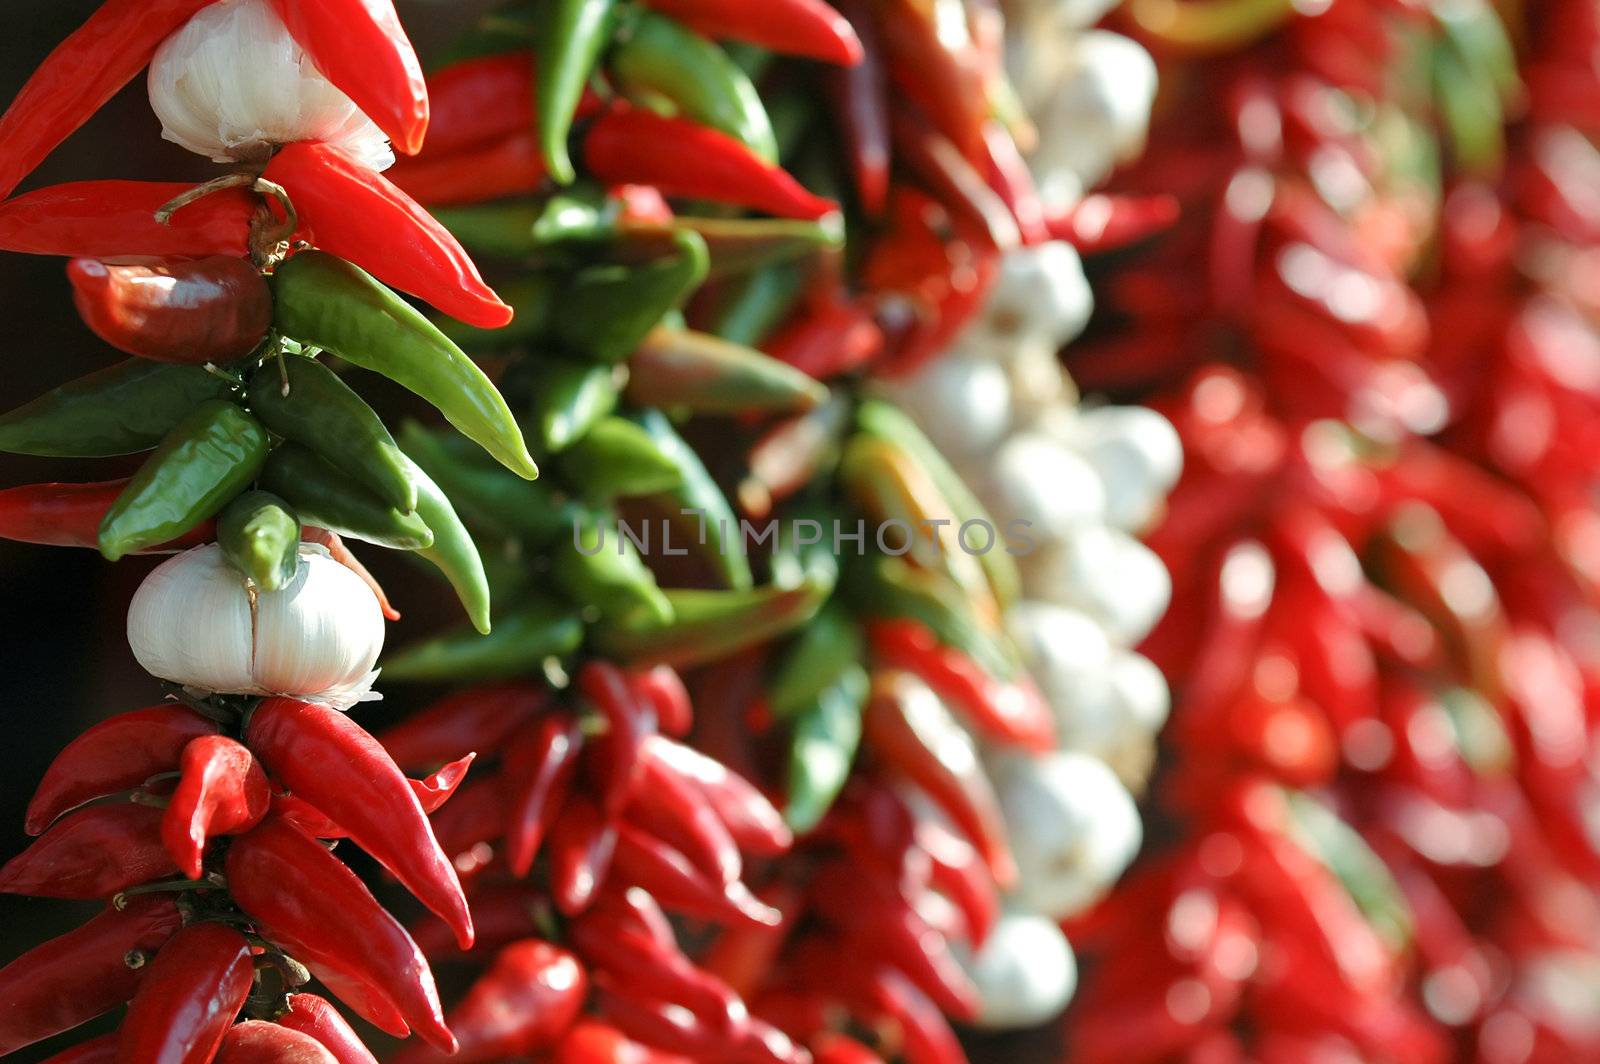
pixel 194 988
pixel 308 900
pixel 76 976
pixel 540 767
pixel 526 1000
pixel 1099 222
pixel 113 219
pixel 314 1016
pixel 673 809
pixel 629 721
pixel 215 309
pixel 80 75
pixel 432 792
pixel 92 853
pixel 69 515
pixel 479 100
pixel 829 340
pixel 790 27
pixel 932 62
pixel 115 755
pixel 360 46
pixel 752 820
pixel 510 166
pixel 359 215
pixel 222 791
pixel 663 689
pixel 583 843
pixel 591 1042
pixel 477 719
pixel 860 97
pixel 642 860
pixel 260 1042
pixel 326 758
pixel 630 145
pixel 102 1050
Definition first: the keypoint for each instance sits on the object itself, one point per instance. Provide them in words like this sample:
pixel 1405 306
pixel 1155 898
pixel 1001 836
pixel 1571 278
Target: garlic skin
pixel 1138 455
pixel 1035 479
pixel 1025 973
pixel 963 402
pixel 193 622
pixel 1091 114
pixel 232 83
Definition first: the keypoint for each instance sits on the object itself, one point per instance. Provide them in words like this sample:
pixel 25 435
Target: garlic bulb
pixel 1040 296
pixel 1138 455
pixel 962 402
pixel 1108 575
pixel 1025 973
pixel 1036 479
pixel 195 621
pixel 232 83
pixel 1093 116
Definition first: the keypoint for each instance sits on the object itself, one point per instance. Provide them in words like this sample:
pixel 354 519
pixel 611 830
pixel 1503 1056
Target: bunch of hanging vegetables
pixel 795 704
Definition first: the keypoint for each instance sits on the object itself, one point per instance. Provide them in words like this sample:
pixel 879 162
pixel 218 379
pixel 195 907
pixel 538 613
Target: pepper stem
pixel 269 238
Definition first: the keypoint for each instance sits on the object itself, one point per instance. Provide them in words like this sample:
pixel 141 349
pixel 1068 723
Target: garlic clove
pixel 1025 973
pixel 190 622
pixel 321 633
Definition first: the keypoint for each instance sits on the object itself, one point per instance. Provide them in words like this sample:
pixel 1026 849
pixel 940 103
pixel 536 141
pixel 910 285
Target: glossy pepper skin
pixel 360 215
pixel 189 997
pixel 329 760
pixel 807 28
pixel 76 976
pixel 315 1016
pixel 222 791
pixel 541 765
pixel 214 309
pixel 205 461
pixel 477 719
pixel 308 900
pixel 478 101
pixel 69 515
pixel 260 535
pixel 322 495
pixel 261 1042
pixel 453 550
pixel 111 219
pixel 335 305
pixel 570 46
pixel 124 408
pixel 360 46
pixel 92 853
pixel 115 755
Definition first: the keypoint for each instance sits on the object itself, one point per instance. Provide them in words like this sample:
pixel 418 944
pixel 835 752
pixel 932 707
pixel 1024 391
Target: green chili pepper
pixel 823 745
pixel 890 587
pixel 325 497
pixel 599 566
pixel 532 297
pixel 737 245
pixel 500 229
pixel 486 496
pixel 657 56
pixel 748 310
pixel 893 424
pixel 121 409
pixel 569 398
pixel 606 310
pixel 582 212
pixel 708 625
pixel 205 460
pixel 568 47
pixel 828 647
pixel 304 401
pixel 716 525
pixel 452 552
pixel 704 374
pixel 617 458
pixel 260 535
pixel 523 638
pixel 1343 851
pixel 324 301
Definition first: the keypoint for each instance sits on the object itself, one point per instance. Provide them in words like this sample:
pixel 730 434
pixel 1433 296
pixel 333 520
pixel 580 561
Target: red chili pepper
pixel 611 945
pixel 115 755
pixel 360 46
pixel 510 166
pixel 313 1015
pixel 660 1023
pixel 1100 222
pixel 215 309
pixel 790 27
pixel 480 100
pixel 592 1042
pixel 642 860
pixel 479 719
pixel 260 1042
pixel 69 515
pixel 189 997
pixel 582 846
pixel 112 219
pixel 957 183
pixel 540 768
pixel 860 97
pixel 342 555
pixel 501 914
pixel 756 825
pixel 837 1049
pixel 1011 712
pixel 431 793
pixel 663 689
pixel 102 1050
pixel 366 1000
pixel 673 809
pixel 358 215
pixel 222 791
pixel 838 336
pixel 958 871
pixel 927 1037
pixel 1008 174
pixel 75 977
pixel 745 956
pixel 92 853
pixel 476 816
pixel 326 758
pixel 523 1004
pixel 630 145
pixel 309 901
pixel 936 68
pixel 629 721
pixel 81 74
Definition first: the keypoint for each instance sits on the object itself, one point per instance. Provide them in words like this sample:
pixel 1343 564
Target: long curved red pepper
pixel 315 1016
pixel 92 853
pixel 583 844
pixel 360 46
pixel 80 75
pixel 309 901
pixel 477 719
pixel 642 860
pixel 357 214
pixel 629 721
pixel 112 219
pixel 102 1050
pixel 752 820
pixel 222 791
pixel 260 1042
pixel 608 940
pixel 195 987
pixel 592 1042
pixel 502 913
pixel 330 761
pixel 664 690
pixel 479 100
pixel 432 792
pixel 115 755
pixel 69 515
pixel 523 1004
pixel 673 809
pixel 75 977
pixel 792 27
pixel 632 146
pixel 540 768
pixel 214 309
pixel 510 166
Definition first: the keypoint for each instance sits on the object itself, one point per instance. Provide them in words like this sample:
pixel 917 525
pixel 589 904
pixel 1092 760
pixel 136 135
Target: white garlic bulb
pixel 1035 479
pixel 1138 455
pixel 1040 297
pixel 232 83
pixel 1095 115
pixel 1073 828
pixel 963 403
pixel 1025 973
pixel 196 622
pixel 1108 575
